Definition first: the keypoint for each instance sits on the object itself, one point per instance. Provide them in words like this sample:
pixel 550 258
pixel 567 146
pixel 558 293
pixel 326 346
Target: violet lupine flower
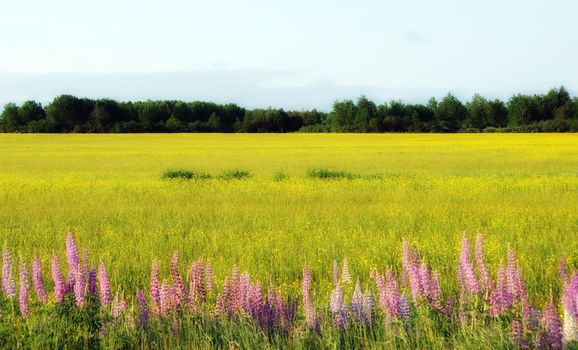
pixel 79 289
pixel 255 304
pixel 310 314
pixel 71 252
pixel 500 297
pixel 155 288
pixel 177 279
pixel 92 289
pixel 8 283
pixel 103 285
pixel 70 281
pixel 516 332
pixel 335 268
pixel 197 292
pixel 59 286
pixel 357 305
pixel 242 300
pixel 23 290
pixel 570 305
pixel 435 292
pixel 469 277
pixel 345 275
pixel 552 326
pixel 484 272
pixel 209 277
pixel 415 282
pixel 222 307
pixel 404 312
pixel 37 280
pixel 144 311
pixel 339 309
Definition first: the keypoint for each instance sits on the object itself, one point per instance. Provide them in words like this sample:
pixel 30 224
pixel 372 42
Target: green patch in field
pixel 184 174
pixel 279 176
pixel 235 174
pixel 326 174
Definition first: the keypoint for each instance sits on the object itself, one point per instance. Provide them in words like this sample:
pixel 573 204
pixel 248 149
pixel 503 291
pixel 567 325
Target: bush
pixel 184 174
pixel 326 174
pixel 235 174
pixel 279 176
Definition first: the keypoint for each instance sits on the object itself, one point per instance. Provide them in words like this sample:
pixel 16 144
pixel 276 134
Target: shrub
pixel 326 174
pixel 184 174
pixel 279 176
pixel 235 174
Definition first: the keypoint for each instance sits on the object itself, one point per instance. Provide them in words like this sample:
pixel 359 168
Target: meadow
pixel 431 190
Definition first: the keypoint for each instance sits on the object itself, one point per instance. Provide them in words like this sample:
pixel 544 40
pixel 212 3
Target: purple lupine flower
pixel 209 277
pixel 144 311
pixel 425 280
pixel 79 289
pixel 381 290
pixel 70 281
pixel 37 280
pixel 165 299
pixel 357 305
pixel 335 268
pixel 339 309
pixel 310 314
pixel 415 282
pixel 368 308
pixel 255 301
pixel 23 290
pixel 177 279
pixel 501 298
pixel 242 302
pixel 103 285
pixel 92 281
pixel 59 286
pixel 8 283
pixel 484 272
pixel 435 292
pixel 552 326
pixel 155 288
pixel 516 331
pixel 516 285
pixel 71 251
pixel 467 269
pixel 345 275
pixel 235 290
pixel 222 307
pixel 119 305
pixel 197 292
pixel 404 312
pixel 410 258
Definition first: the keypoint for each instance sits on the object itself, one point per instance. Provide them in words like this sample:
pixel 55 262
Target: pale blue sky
pixel 292 54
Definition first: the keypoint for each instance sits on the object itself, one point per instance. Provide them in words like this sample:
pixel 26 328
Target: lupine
pixel 8 283
pixel 435 292
pixel 71 252
pixel 335 271
pixel 339 309
pixel 155 288
pixel 79 289
pixel 345 275
pixel 23 290
pixel 552 327
pixel 222 306
pixel 410 258
pixel 484 272
pixel 165 299
pixel 118 306
pixel 59 286
pixel 144 312
pixel 103 285
pixel 369 307
pixel 37 280
pixel 570 305
pixel 516 332
pixel 209 276
pixel 469 279
pixel 92 277
pixel 392 296
pixel 242 300
pixel 357 305
pixel 197 290
pixel 310 314
pixel 404 311
pixel 177 279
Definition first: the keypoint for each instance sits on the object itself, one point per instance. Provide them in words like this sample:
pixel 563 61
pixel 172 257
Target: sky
pixel 297 54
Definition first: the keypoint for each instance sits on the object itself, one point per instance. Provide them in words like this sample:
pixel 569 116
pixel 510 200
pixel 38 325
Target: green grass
pixel 518 190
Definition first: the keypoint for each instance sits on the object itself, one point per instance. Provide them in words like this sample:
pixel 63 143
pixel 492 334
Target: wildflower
pixel 144 312
pixel 59 286
pixel 209 277
pixel 339 309
pixel 357 305
pixel 310 314
pixel 8 283
pixel 104 285
pixel 118 306
pixel 551 324
pixel 92 281
pixel 570 305
pixel 79 288
pixel 345 275
pixel 37 280
pixel 484 272
pixel 197 292
pixel 155 288
pixel 23 290
pixel 469 279
pixel 71 252
pixel 335 272
pixel 177 279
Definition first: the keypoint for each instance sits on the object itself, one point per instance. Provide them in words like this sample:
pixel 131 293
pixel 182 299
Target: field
pixel 518 190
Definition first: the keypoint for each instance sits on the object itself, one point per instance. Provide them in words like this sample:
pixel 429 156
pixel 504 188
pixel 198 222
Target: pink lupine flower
pixel 570 305
pixel 59 286
pixel 209 277
pixel 165 299
pixel 484 272
pixel 177 279
pixel 197 292
pixel 119 305
pixel 8 283
pixel 392 297
pixel 71 251
pixel 345 275
pixel 310 314
pixel 552 326
pixel 242 302
pixel 103 285
pixel 467 270
pixel 79 288
pixel 435 292
pixel 37 280
pixel 23 290
pixel 155 288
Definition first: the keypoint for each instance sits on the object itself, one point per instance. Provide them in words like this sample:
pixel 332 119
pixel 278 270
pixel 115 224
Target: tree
pixel 9 119
pixel 66 112
pixel 450 113
pixel 478 113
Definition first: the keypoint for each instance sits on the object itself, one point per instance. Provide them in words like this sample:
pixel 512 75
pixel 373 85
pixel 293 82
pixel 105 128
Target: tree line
pixel 555 111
